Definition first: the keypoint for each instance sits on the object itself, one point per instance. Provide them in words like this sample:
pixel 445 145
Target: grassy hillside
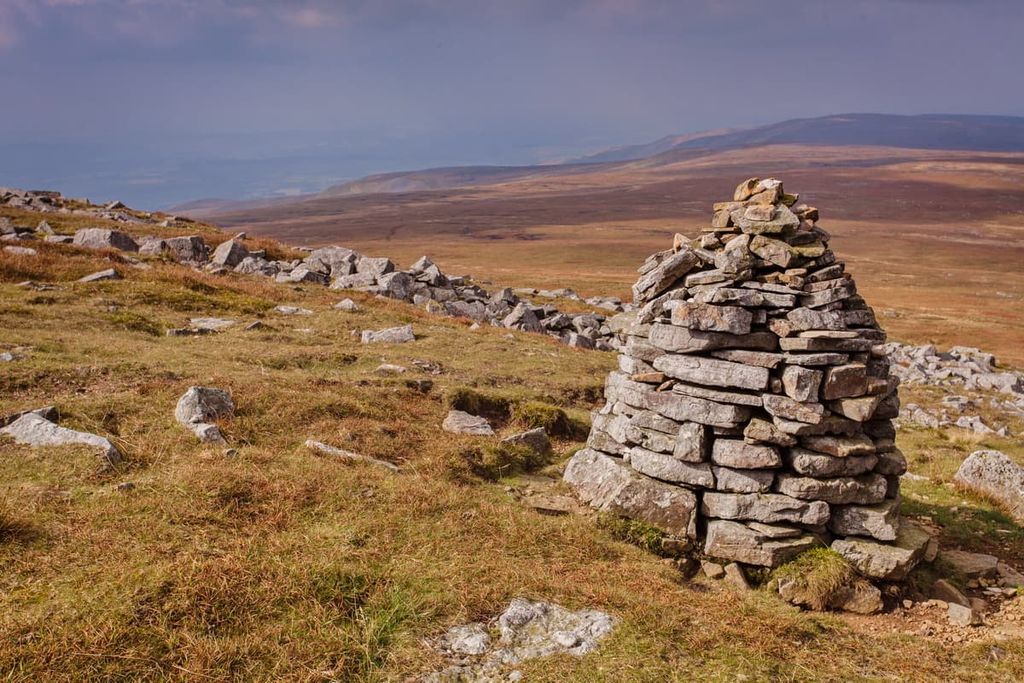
pixel 271 563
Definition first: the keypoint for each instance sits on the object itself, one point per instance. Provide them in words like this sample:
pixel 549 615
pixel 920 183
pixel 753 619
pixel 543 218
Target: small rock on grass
pixel 459 422
pixel 391 335
pixel 35 430
pixel 108 274
pixel 389 369
pixel 535 439
pixel 348 306
pixel 341 453
pixel 293 310
pixel 199 406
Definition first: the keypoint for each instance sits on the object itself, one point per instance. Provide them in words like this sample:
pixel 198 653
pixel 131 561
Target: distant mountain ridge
pixel 960 132
pixel 953 132
pixel 925 131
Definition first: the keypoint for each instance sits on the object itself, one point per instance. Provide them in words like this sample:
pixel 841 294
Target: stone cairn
pixel 752 404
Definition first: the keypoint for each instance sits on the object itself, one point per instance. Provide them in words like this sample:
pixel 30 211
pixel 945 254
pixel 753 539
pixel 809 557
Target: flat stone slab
pixel 764 507
pixel 527 629
pixel 971 565
pixel 108 274
pixel 879 521
pixel 681 340
pixel 886 562
pixel 742 481
pixel 35 430
pixel 391 335
pixel 866 489
pixel 292 310
pixel 711 318
pixel 734 541
pixel 713 372
pixel 215 324
pixel 610 485
pixel 736 453
pixel 821 465
pixel 667 468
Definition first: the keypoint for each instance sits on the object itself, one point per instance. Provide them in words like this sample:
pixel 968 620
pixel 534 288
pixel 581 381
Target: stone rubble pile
pixel 48 201
pixel 422 284
pixel 753 404
pixel 960 366
pixel 527 629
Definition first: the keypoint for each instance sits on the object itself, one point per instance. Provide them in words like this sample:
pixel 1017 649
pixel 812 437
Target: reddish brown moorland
pixel 935 238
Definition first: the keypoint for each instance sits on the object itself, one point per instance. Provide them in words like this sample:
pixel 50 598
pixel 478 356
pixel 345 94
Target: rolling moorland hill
pixel 260 560
pixel 936 236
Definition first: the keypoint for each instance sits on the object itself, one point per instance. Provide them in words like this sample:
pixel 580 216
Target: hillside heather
pixel 258 557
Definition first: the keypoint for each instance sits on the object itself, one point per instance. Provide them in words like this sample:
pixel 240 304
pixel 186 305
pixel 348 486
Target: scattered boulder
pixel 736 577
pixel 459 422
pixel 347 305
pixel 229 254
pixel 391 335
pixel 34 429
pixel 101 238
pixel 993 474
pixel 535 439
pixel 523 318
pixel 292 310
pixel 199 407
pixel 947 592
pixel 20 251
pixel 962 615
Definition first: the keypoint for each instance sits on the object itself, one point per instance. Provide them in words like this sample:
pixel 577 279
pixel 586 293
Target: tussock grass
pixel 635 532
pixel 555 421
pixel 475 402
pixel 13 527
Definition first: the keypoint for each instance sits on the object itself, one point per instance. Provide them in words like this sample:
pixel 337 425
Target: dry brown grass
pixel 274 564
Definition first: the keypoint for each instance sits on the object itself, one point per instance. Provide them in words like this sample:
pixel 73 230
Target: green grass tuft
pixel 818 575
pixel 555 421
pixel 134 322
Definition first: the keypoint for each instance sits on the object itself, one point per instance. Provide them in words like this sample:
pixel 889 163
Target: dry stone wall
pixel 752 403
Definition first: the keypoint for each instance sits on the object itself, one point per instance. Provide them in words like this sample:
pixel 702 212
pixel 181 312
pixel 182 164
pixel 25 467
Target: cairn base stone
pixel 611 486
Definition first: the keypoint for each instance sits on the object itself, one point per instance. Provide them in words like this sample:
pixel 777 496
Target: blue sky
pixel 158 102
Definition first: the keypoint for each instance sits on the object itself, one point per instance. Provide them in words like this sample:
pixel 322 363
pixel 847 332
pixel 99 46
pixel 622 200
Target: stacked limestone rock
pixel 753 402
